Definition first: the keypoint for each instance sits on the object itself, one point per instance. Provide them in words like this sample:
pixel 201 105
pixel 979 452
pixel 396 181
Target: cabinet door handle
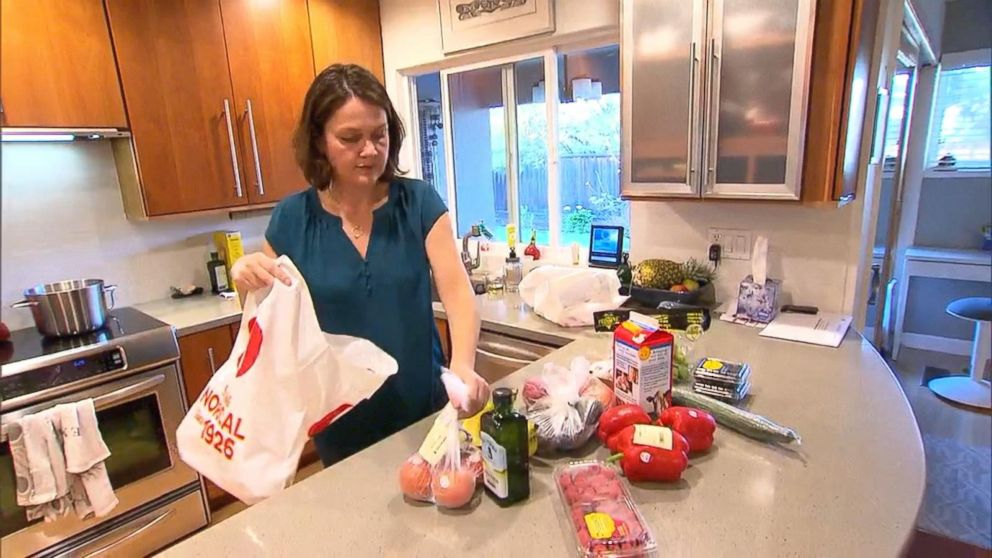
pixel 254 147
pixel 713 106
pixel 692 106
pixel 210 358
pixel 234 153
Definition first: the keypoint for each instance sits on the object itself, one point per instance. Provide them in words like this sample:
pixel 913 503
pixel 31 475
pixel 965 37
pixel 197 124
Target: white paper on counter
pixel 822 329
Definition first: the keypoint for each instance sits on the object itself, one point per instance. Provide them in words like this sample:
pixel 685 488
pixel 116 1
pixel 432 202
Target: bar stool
pixel 971 390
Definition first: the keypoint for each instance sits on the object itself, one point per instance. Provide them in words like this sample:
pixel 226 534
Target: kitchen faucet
pixel 476 231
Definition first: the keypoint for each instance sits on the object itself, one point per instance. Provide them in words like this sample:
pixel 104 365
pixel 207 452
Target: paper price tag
pixel 652 435
pixel 433 448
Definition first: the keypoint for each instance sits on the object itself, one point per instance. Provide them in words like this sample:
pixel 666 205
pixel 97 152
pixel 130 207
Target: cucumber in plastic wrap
pixel 747 423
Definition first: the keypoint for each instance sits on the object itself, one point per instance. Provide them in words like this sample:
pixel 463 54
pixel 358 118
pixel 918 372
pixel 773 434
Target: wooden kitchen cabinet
pixel 442 330
pixel 843 46
pixel 346 32
pixel 173 66
pixel 271 66
pixel 58 66
pixel 200 354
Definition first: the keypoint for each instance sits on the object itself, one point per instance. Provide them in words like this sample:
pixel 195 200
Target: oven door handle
pixel 109 399
pixel 148 524
pixel 123 393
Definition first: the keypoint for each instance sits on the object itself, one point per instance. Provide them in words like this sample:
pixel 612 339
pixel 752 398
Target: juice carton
pixel 642 363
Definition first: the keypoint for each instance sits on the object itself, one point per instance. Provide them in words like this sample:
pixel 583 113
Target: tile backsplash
pixel 63 219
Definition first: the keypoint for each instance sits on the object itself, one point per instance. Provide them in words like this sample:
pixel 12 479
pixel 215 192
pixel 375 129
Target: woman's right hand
pixel 257 271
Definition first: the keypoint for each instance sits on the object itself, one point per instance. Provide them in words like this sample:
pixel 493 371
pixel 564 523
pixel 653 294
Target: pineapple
pixel 698 271
pixel 657 274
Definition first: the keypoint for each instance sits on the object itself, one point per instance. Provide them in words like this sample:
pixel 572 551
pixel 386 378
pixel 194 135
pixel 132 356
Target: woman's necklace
pixel 356 231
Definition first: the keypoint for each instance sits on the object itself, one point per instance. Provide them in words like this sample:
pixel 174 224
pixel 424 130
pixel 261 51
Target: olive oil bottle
pixel 505 451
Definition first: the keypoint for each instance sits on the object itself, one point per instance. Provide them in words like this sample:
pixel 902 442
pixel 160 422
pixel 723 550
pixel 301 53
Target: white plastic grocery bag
pixel 568 296
pixel 285 380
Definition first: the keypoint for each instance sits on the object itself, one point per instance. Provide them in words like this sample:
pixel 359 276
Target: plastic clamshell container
pixel 598 511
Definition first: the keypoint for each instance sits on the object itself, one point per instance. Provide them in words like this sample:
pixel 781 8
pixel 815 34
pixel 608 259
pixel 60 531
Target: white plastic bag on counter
pixel 565 404
pixel 285 379
pixel 568 296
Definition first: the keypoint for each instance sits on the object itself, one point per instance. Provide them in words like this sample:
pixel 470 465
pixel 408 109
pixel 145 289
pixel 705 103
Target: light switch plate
pixel 735 244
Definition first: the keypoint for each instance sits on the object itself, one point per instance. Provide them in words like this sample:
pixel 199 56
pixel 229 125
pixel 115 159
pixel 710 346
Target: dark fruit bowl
pixel 705 295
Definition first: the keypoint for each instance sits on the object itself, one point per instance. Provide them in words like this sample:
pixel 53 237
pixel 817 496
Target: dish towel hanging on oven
pixel 58 457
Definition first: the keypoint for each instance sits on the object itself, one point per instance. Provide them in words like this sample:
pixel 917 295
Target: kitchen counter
pixel 507 314
pixel 853 488
pixel 194 314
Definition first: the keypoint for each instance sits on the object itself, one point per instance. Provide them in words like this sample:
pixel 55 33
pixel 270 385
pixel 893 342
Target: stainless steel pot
pixel 68 307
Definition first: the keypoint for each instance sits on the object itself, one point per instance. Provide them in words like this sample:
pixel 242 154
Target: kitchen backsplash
pixel 63 219
pixel 809 248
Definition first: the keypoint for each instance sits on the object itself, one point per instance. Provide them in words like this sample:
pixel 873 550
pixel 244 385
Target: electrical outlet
pixel 735 244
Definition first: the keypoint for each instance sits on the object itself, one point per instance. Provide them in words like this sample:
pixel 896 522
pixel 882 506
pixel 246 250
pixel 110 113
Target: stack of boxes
pixel 721 379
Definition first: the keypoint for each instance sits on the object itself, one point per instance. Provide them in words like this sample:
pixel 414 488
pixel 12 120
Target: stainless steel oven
pixel 134 381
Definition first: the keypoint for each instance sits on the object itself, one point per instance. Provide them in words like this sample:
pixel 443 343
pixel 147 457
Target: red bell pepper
pixel 617 418
pixel 648 463
pixel 696 425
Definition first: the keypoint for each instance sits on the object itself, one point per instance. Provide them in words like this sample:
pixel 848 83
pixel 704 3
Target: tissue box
pixel 758 302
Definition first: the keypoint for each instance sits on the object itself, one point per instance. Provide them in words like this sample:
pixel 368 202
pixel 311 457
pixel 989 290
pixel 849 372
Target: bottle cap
pixel 214 256
pixel 502 396
pixel 513 257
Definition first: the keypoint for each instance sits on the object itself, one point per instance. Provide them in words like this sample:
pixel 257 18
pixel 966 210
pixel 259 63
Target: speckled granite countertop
pixel 852 489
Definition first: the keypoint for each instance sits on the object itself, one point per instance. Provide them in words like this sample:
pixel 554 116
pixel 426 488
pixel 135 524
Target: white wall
pixel 813 249
pixel 63 219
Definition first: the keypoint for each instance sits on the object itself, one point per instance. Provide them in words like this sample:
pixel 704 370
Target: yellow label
pixel 644 353
pixel 432 450
pixel 711 364
pixel 652 435
pixel 531 438
pixel 473 424
pixel 600 525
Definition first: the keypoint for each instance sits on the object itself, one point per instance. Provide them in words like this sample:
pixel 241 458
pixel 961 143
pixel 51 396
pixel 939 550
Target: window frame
pixel 550 59
pixel 953 61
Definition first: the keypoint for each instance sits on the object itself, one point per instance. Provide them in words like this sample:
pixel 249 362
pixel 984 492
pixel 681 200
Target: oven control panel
pixel 62 373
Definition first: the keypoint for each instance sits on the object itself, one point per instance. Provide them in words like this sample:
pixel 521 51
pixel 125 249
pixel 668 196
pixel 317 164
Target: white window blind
pixel 961 128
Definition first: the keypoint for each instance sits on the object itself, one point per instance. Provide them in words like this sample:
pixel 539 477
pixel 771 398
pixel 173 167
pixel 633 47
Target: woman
pixel 366 242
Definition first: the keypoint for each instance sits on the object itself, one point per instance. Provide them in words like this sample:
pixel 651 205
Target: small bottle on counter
pixel 513 273
pixel 625 274
pixel 505 451
pixel 217 270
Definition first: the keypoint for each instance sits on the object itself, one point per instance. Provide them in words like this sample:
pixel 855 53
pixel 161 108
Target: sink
pixel 478 286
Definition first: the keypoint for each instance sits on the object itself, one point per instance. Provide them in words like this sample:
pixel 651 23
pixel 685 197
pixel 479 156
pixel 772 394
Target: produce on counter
pixel 616 419
pixel 749 424
pixel 446 469
pixel 568 412
pixel 649 463
pixel 696 425
pixel 534 389
pixel 596 505
pixel 673 276
pixel 598 390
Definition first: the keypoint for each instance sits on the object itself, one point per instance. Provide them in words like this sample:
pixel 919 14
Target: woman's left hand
pixel 478 391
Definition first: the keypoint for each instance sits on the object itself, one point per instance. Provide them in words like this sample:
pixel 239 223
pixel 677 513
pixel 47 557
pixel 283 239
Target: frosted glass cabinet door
pixel 661 96
pixel 758 63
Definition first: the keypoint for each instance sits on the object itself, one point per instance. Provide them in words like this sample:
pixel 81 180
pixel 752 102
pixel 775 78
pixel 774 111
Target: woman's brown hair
pixel 329 90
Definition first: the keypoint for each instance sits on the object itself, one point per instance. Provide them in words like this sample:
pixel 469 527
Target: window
pixel 430 132
pixel 501 162
pixel 960 128
pixel 897 112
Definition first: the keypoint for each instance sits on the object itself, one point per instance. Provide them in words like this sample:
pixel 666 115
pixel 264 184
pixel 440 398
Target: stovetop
pixel 28 343
pixel 130 342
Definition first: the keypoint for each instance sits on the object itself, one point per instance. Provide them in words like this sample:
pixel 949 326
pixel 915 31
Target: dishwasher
pixel 499 355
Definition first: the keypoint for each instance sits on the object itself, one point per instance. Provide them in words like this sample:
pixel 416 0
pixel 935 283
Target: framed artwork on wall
pixel 468 24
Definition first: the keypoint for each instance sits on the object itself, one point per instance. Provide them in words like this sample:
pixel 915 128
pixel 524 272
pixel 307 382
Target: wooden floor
pixel 939 418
